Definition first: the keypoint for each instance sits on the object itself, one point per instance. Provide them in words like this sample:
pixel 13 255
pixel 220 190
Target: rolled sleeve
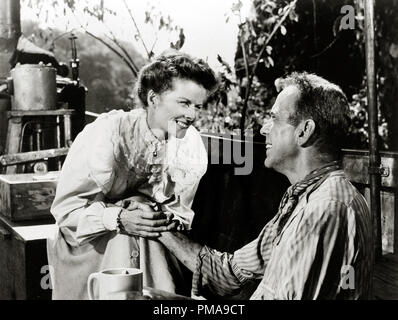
pixel 215 271
pixel 225 273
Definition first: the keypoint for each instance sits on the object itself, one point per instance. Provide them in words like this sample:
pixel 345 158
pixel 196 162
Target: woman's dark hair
pixel 160 73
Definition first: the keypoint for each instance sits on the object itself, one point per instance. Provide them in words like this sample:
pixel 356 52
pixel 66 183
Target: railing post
pixel 374 156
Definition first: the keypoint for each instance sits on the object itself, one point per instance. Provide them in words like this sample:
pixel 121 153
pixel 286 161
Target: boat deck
pixel 386 278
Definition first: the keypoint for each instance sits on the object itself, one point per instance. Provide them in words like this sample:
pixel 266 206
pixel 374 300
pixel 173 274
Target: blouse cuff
pixel 109 218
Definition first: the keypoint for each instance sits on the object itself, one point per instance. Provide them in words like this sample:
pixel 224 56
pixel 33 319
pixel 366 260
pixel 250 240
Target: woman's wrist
pixel 119 223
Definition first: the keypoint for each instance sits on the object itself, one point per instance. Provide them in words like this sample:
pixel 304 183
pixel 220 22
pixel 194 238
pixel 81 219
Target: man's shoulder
pixel 336 188
pixel 332 201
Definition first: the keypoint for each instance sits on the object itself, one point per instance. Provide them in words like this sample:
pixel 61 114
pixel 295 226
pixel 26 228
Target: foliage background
pixel 312 40
pixel 305 37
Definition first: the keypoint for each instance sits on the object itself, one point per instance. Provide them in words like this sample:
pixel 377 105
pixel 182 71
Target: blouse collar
pixel 148 135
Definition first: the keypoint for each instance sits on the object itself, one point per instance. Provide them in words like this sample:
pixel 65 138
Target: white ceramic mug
pixel 114 280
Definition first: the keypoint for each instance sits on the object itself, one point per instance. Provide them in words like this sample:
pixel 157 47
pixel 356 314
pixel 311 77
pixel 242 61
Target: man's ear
pixel 151 98
pixel 306 131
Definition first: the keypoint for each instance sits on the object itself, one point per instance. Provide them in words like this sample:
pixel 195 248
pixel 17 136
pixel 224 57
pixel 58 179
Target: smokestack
pixel 10 30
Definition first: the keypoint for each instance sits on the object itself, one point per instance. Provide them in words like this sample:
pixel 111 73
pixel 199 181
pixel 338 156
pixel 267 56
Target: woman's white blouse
pixel 116 157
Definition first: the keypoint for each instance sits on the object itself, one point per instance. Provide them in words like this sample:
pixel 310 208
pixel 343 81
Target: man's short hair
pixel 324 103
pixel 160 73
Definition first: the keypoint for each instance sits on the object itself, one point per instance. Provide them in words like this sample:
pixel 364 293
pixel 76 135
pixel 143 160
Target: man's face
pixel 281 140
pixel 176 108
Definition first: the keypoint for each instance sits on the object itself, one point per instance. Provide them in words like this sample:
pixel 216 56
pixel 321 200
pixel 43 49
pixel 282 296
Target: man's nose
pixel 266 128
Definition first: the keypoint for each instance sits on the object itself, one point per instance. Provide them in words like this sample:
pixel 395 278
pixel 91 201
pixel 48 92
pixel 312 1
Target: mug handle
pixel 90 285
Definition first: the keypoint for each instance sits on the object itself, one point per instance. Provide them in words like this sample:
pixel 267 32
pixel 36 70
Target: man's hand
pixel 141 220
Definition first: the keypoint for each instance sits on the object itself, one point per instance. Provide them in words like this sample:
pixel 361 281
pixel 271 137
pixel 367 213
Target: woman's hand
pixel 141 220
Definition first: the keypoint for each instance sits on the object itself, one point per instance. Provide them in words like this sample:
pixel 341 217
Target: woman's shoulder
pixel 193 141
pixel 193 135
pixel 190 157
pixel 115 122
pixel 117 115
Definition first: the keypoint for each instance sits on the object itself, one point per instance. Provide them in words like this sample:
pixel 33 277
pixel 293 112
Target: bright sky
pixel 205 27
pixel 204 22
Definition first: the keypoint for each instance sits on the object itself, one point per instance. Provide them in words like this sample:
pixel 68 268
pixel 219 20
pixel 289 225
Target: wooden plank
pixel 356 168
pixel 13 140
pixel 5 200
pixel 30 156
pixel 385 284
pixel 57 112
pixel 22 230
pixel 388 219
pixel 36 232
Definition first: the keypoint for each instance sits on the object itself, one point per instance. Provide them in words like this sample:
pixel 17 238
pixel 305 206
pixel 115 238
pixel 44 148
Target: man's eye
pixel 185 103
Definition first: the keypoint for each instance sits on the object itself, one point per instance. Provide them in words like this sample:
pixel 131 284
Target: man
pixel 319 245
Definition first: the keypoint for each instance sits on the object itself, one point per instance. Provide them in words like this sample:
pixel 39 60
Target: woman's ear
pixel 306 131
pixel 151 98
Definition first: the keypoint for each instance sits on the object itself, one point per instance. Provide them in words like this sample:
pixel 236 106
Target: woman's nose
pixel 191 113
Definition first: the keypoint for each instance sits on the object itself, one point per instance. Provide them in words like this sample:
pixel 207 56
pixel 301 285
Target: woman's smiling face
pixel 174 110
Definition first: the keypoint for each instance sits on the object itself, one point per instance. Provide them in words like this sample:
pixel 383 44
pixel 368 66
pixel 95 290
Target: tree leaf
pixel 271 61
pixel 236 7
pixel 394 50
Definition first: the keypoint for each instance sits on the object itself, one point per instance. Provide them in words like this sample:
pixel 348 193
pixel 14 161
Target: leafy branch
pixel 149 53
pixel 99 12
pixel 251 73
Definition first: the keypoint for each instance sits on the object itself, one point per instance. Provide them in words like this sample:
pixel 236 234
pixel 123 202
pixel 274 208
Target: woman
pixel 152 156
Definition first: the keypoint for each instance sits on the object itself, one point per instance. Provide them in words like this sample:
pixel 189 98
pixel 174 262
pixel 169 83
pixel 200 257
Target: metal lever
pixel 381 170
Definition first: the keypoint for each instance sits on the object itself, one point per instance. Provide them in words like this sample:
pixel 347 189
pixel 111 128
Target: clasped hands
pixel 147 221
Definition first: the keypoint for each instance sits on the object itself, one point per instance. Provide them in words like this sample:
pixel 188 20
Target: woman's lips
pixel 183 124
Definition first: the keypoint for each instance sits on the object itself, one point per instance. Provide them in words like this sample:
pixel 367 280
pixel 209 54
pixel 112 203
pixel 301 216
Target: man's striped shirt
pixel 324 251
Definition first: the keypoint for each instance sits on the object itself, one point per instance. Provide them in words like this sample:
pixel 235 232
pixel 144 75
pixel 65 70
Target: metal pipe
pixel 10 20
pixel 67 130
pixel 38 136
pixel 58 138
pixel 374 156
pixel 10 30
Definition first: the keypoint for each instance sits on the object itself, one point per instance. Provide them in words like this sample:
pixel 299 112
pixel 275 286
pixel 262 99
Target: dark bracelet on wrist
pixel 120 227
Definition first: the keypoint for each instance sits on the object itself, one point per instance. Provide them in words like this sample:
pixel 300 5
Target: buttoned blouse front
pixel 116 157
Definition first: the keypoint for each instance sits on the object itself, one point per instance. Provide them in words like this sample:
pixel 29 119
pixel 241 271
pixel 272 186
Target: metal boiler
pixel 34 87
